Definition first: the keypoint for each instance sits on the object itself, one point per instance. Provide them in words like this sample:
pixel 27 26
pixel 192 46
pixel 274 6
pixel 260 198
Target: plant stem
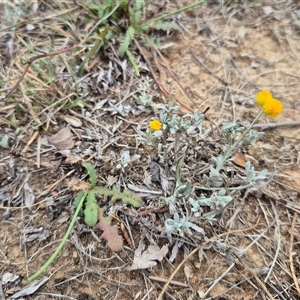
pixel 58 249
pixel 170 14
pixel 131 59
pixel 229 152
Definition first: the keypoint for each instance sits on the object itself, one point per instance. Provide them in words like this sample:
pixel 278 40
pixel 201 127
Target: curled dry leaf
pixel 63 139
pixel 31 288
pixel 73 121
pixel 239 159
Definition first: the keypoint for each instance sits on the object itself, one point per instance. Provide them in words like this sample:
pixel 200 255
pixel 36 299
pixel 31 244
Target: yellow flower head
pixel 155 125
pixel 272 108
pixel 262 97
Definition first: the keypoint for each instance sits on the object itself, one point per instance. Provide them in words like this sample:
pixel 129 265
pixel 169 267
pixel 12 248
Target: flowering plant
pixel 155 125
pixel 271 107
pixel 216 187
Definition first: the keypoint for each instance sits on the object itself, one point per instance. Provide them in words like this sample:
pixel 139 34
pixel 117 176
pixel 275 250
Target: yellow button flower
pixel 155 125
pixel 262 97
pixel 272 108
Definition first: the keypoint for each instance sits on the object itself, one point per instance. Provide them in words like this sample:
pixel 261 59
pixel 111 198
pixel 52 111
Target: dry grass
pixel 222 55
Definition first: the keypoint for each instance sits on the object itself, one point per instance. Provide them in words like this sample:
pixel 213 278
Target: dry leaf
pixel 239 159
pixel 70 159
pixel 110 232
pixel 75 184
pixel 47 164
pixel 187 271
pixel 31 288
pixel 268 10
pixel 63 139
pixel 147 259
pixel 28 194
pixel 73 121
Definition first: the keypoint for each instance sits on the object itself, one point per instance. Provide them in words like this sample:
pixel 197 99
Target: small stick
pixel 291 253
pixel 33 137
pixel 259 282
pixel 160 279
pixel 218 280
pixel 276 125
pixel 7 107
pixel 175 271
pixel 52 186
pixel 38 152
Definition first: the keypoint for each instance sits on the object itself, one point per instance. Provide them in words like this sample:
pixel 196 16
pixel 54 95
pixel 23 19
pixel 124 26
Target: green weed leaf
pixel 131 59
pixel 78 199
pixel 165 25
pixel 91 209
pixel 127 40
pixel 127 197
pixel 92 173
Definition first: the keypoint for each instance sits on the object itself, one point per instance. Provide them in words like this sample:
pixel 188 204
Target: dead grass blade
pixel 32 60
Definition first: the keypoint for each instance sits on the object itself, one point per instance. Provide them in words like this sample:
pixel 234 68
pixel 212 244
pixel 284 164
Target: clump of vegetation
pixel 85 204
pixel 218 188
pixel 170 159
pixel 125 21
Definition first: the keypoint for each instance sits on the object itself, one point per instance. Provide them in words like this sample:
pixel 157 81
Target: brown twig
pixel 276 125
pixel 291 253
pixel 175 271
pixel 32 60
pixel 30 141
pixel 160 279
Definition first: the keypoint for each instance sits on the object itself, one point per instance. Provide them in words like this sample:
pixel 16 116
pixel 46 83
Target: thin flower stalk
pixel 271 107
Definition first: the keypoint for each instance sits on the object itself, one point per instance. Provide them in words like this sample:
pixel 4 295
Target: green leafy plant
pixel 86 204
pixel 218 187
pixel 119 16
